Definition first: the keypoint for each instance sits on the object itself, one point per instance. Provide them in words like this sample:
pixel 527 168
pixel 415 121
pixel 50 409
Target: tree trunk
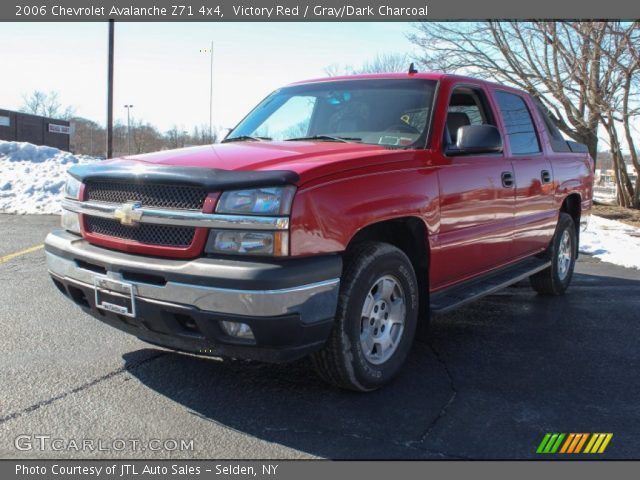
pixel 624 186
pixel 626 122
pixel 590 139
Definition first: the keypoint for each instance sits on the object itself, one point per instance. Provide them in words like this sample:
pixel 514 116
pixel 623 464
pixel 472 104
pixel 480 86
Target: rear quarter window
pixel 557 141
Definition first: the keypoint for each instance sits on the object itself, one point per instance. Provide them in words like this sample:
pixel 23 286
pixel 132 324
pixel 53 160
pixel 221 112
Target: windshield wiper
pixel 242 138
pixel 328 138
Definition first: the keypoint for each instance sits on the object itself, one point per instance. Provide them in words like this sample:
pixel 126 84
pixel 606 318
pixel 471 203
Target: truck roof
pixel 437 76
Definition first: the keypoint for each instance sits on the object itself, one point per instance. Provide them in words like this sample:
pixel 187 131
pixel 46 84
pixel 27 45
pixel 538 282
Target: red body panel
pixel 473 225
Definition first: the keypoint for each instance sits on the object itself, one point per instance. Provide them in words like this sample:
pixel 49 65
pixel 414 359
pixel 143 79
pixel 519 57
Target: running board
pixel 471 290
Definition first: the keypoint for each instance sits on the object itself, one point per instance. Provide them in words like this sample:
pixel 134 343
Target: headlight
pixel 248 242
pixel 259 201
pixel 72 188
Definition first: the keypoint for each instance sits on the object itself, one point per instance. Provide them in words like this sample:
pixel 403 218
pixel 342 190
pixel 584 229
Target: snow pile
pixel 32 177
pixel 611 241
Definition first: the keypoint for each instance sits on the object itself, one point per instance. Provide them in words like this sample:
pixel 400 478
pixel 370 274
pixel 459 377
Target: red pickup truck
pixel 333 221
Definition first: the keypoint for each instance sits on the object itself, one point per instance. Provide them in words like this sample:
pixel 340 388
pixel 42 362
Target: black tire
pixel 555 280
pixel 343 361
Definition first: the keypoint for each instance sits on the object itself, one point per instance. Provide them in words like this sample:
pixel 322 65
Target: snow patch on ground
pixel 612 241
pixel 32 177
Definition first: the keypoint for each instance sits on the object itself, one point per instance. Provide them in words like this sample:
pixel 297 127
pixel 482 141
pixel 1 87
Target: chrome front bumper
pixel 206 288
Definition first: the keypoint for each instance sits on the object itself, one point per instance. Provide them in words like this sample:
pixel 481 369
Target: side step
pixel 453 297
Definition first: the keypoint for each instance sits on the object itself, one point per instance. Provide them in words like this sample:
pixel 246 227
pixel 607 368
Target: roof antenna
pixel 412 68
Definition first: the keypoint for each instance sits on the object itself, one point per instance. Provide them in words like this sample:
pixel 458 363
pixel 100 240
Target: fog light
pixel 237 329
pixel 70 221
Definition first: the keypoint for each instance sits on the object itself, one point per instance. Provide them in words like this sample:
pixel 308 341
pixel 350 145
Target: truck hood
pixel 309 160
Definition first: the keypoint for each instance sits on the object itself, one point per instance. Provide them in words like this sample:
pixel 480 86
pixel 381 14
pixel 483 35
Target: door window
pixel 521 132
pixel 466 107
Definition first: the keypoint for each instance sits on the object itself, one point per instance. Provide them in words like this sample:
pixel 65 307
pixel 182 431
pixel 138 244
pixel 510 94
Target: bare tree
pixel 46 105
pixel 87 137
pixel 200 135
pixel 576 69
pixel 386 63
pixel 531 55
pixel 176 137
pixel 381 63
pixel 336 70
pixel 619 105
pixel 146 138
pixel 120 139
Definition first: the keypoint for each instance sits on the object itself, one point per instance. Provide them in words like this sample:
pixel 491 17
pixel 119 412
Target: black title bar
pixel 314 10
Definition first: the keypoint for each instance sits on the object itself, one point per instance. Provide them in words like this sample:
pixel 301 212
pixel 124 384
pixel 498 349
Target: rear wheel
pixel 562 252
pixel 375 319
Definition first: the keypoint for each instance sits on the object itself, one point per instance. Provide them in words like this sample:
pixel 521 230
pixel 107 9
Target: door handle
pixel 545 176
pixel 507 179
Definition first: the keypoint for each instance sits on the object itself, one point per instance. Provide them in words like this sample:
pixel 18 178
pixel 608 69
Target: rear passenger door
pixel 535 217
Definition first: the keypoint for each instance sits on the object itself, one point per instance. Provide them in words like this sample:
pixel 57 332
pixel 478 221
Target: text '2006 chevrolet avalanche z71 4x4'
pixel 332 222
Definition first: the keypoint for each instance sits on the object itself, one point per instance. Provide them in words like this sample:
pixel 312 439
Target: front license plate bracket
pixel 115 296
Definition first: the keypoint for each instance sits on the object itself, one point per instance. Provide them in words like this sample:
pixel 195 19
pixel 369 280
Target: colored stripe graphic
pixel 591 442
pixel 605 444
pixel 550 443
pixel 567 443
pixel 583 439
pixel 598 443
pixel 573 443
pixel 543 443
pixel 556 445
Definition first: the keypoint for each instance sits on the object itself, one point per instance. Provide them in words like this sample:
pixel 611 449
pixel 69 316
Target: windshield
pixel 392 112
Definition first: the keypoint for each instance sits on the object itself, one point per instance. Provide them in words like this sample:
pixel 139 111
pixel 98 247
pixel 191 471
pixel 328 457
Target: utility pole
pixel 210 89
pixel 110 93
pixel 128 107
pixel 211 97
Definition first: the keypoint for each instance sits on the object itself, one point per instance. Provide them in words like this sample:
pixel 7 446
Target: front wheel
pixel 375 320
pixel 563 252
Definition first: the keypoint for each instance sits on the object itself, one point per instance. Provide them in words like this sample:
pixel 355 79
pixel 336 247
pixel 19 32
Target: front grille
pixel 182 197
pixel 148 233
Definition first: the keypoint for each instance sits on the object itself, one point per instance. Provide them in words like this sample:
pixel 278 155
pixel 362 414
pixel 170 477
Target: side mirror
pixel 476 139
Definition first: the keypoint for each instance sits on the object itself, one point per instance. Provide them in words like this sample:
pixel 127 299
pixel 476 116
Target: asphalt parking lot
pixel 494 378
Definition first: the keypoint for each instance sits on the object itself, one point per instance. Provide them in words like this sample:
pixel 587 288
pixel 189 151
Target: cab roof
pixel 437 76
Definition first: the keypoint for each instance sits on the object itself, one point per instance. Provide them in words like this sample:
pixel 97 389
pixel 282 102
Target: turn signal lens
pixel 70 221
pixel 248 242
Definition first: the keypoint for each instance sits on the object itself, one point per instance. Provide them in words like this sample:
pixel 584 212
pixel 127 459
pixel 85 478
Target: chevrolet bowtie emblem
pixel 128 213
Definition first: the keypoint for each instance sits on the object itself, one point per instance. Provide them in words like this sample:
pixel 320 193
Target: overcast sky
pixel 160 69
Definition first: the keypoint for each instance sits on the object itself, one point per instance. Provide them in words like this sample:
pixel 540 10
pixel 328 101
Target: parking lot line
pixel 11 256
